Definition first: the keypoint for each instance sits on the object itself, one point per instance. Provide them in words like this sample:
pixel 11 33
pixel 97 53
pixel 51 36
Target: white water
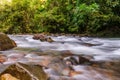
pixel 109 48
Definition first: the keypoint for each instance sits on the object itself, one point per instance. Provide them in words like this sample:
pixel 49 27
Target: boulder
pixel 20 71
pixel 38 36
pixel 6 43
pixel 42 37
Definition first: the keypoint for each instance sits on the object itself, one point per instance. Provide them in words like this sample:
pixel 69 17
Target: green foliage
pixel 82 17
pixel 66 16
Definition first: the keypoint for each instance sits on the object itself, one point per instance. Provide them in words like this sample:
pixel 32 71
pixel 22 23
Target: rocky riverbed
pixel 65 58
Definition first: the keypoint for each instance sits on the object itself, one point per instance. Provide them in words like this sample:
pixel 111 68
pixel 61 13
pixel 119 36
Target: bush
pixel 61 16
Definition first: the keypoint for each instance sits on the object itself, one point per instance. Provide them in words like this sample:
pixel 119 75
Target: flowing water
pixel 101 49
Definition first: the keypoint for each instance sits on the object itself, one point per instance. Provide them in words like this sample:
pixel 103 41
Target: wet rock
pixel 76 60
pixel 42 37
pixel 66 53
pixel 84 60
pixel 59 67
pixel 3 58
pixel 73 60
pixel 8 77
pixel 24 72
pixel 6 43
pixel 49 39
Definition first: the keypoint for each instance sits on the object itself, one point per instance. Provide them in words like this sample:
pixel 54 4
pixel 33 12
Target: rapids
pixel 101 49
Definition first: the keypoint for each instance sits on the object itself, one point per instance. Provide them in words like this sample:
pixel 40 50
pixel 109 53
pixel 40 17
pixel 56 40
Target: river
pixel 100 49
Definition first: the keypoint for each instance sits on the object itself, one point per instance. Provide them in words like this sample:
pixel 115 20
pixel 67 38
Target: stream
pixel 104 51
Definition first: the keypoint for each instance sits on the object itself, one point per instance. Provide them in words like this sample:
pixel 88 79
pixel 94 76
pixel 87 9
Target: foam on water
pixel 117 52
pixel 109 46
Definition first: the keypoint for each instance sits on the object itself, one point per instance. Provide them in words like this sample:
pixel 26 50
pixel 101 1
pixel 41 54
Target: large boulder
pixel 20 71
pixel 6 43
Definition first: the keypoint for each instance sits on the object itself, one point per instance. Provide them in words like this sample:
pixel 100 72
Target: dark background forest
pixel 92 17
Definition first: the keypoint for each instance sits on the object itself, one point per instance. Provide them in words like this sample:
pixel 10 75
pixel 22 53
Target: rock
pixel 57 64
pixel 20 71
pixel 90 44
pixel 66 53
pixel 70 72
pixel 6 43
pixel 42 37
pixel 72 60
pixel 61 68
pixel 49 39
pixel 8 77
pixel 39 36
pixel 84 60
pixel 3 58
pixel 76 60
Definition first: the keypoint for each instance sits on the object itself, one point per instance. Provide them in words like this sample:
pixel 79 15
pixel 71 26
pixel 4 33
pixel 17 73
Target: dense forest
pixel 93 17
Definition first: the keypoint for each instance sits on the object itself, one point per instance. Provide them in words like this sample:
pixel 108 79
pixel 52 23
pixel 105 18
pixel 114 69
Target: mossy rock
pixel 6 43
pixel 22 71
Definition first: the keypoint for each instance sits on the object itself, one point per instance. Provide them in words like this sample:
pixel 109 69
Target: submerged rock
pixel 108 65
pixel 90 44
pixel 21 71
pixel 6 43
